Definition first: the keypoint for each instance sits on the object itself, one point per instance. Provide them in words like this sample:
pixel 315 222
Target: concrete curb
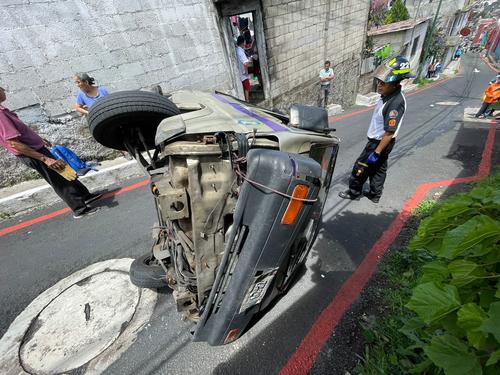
pixel 44 195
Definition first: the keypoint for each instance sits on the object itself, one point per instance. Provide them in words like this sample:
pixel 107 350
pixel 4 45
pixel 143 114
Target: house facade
pixel 177 44
pixel 452 17
pixel 404 38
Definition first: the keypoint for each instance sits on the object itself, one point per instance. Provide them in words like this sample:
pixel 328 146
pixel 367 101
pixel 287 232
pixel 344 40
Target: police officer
pixel 382 132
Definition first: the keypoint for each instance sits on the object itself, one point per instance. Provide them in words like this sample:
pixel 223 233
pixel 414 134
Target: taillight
pixel 293 209
pixel 232 335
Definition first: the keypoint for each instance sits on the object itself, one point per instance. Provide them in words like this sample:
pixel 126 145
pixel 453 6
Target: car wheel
pixel 118 118
pixel 145 272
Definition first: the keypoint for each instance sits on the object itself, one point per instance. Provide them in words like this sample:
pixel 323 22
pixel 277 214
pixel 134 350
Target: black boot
pixel 349 195
pixel 374 198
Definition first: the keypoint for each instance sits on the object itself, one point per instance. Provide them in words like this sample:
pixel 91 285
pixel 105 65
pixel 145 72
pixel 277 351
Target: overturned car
pixel 239 192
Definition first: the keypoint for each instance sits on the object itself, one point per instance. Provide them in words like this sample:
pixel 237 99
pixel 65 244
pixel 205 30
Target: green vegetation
pixel 5 215
pixel 443 300
pixel 436 45
pixel 379 14
pixel 397 13
pixel 384 52
pixel 421 81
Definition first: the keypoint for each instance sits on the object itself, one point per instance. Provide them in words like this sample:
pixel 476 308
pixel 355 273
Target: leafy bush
pixel 397 13
pixel 457 298
pixel 384 52
pixel 421 81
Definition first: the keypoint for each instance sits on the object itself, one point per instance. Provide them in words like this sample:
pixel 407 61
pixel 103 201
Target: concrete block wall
pixel 301 35
pixel 124 44
pixel 347 33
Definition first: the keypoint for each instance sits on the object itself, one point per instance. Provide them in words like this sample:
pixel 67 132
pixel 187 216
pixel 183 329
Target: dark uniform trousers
pixel 483 109
pixel 376 172
pixel 73 193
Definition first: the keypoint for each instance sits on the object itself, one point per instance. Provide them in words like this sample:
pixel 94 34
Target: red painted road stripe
pixel 305 355
pixel 63 211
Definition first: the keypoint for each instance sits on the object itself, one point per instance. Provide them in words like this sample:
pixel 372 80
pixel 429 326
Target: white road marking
pixel 448 103
pixel 91 317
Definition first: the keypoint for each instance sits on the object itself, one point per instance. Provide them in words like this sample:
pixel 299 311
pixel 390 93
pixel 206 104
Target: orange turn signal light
pixel 295 205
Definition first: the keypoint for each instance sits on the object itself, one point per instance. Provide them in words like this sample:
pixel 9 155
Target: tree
pixel 437 47
pixel 397 13
pixel 378 10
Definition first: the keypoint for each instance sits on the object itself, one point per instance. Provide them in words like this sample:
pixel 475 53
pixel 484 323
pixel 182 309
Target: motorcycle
pixel 239 192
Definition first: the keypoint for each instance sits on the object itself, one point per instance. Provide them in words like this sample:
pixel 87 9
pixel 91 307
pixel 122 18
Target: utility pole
pixel 428 40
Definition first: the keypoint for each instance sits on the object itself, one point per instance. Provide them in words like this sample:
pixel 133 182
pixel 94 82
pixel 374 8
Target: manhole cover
pixel 80 323
pixel 85 321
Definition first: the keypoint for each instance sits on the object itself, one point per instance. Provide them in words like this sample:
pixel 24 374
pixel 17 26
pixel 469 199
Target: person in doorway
pixel 21 141
pixel 326 77
pixel 491 95
pixel 88 93
pixel 243 63
pixel 385 124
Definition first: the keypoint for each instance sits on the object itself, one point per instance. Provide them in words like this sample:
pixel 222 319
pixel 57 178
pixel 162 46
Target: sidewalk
pixel 30 195
pixel 368 100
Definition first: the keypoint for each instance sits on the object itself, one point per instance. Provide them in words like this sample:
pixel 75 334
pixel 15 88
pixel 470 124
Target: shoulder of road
pixel 34 194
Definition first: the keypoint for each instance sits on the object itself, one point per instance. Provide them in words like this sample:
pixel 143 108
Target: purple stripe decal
pixel 273 125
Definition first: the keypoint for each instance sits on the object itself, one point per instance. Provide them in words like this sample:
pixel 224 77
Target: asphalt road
pixel 433 144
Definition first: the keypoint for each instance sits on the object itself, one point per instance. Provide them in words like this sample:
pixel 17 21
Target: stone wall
pixel 301 35
pixel 126 44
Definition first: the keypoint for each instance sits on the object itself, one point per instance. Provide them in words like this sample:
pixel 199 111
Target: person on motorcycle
pixel 384 127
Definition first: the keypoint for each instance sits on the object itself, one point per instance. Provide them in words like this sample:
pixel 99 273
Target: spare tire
pixel 120 116
pixel 145 272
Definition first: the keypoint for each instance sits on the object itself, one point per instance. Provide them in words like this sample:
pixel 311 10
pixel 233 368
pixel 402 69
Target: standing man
pixel 31 149
pixel 384 127
pixel 243 63
pixel 325 77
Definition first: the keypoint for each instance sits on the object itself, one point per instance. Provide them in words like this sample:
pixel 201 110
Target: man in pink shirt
pixel 31 149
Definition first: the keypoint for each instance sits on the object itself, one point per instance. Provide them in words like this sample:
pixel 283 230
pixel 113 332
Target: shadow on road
pixel 347 237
